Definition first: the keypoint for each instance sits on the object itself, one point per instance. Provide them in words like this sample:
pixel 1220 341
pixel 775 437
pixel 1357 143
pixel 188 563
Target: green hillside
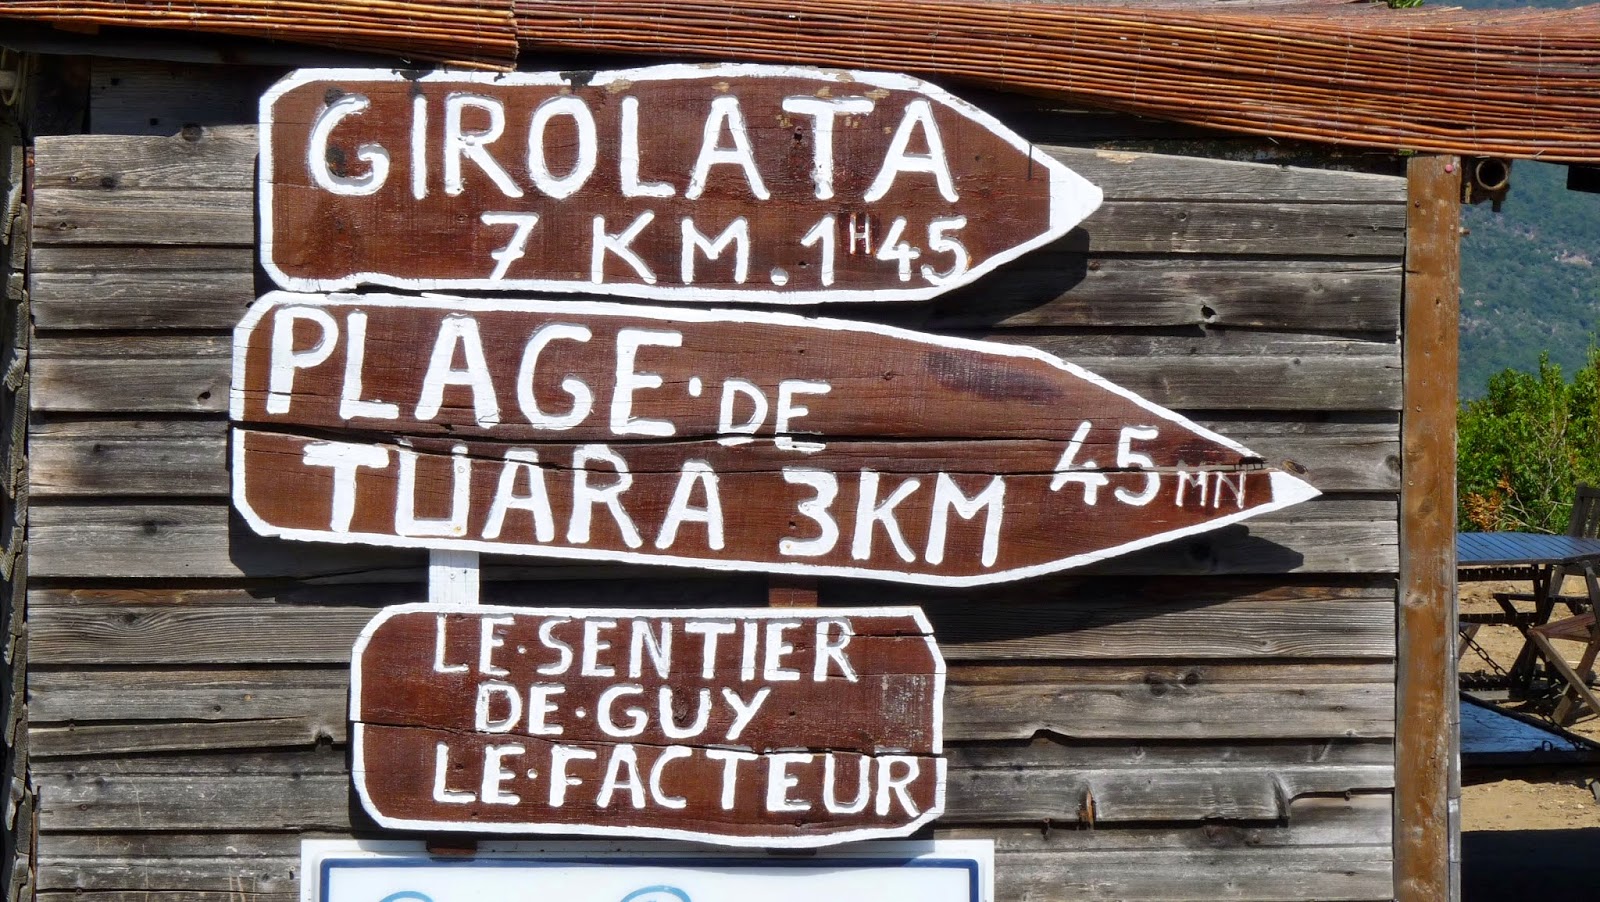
pixel 1530 275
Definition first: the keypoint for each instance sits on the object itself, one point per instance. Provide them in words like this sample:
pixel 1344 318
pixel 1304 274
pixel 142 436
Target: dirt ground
pixel 1526 839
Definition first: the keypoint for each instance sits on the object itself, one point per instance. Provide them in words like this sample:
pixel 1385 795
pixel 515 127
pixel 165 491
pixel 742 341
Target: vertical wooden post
pixel 1427 769
pixel 791 592
pixel 453 577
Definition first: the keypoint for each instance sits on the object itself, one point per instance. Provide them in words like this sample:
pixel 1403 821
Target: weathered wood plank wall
pixel 1225 737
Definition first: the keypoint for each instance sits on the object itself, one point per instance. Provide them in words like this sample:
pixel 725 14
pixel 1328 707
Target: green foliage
pixel 1525 445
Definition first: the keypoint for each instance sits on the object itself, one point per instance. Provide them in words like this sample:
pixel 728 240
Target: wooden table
pixel 1534 558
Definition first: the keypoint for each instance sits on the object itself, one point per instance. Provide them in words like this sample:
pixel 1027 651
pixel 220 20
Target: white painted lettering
pixel 889 785
pixel 708 631
pixel 585 496
pixel 830 785
pixel 495 774
pixel 619 244
pixel 668 755
pixel 565 186
pixel 593 645
pixel 623 757
pixel 406 521
pixel 603 712
pixel 658 645
pixel 870 512
pixel 629 158
pixel 826 488
pixel 731 389
pixel 560 757
pixel 528 400
pixel 743 711
pixel 441 776
pixel 947 496
pixel 344 458
pixel 831 650
pixel 822 112
pixel 525 462
pixel 1126 458
pixel 629 341
pixel 540 707
pixel 547 638
pixel 1085 474
pixel 772 669
pixel 318 153
pixel 669 722
pixel 460 144
pixel 483 719
pixel 490 639
pixel 694 472
pixel 439 666
pixel 918 115
pixel 284 359
pixel 730 759
pixel 459 331
pixel 725 114
pixel 351 404
pixel 780 781
pixel 737 234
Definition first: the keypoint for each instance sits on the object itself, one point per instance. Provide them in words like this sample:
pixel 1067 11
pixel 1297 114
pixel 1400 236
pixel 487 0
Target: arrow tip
pixel 1072 198
pixel 1289 490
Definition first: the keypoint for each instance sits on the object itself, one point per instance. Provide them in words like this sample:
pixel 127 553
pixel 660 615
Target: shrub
pixel 1526 445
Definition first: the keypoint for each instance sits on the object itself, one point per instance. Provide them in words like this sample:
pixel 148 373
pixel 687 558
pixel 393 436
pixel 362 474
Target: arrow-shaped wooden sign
pixel 720 439
pixel 769 184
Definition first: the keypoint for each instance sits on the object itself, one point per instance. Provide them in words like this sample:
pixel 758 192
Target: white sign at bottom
pixel 389 871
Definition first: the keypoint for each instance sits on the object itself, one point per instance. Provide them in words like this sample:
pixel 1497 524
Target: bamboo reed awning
pixel 1511 83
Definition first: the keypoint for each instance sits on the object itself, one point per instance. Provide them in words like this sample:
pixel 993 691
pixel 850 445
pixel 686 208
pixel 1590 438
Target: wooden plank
pixel 219 867
pixel 159 458
pixel 157 288
pixel 67 630
pixel 1040 781
pixel 140 97
pixel 1063 286
pixel 216 157
pixel 181 298
pixel 1427 802
pixel 155 458
pixel 157 216
pixel 1221 371
pixel 1125 175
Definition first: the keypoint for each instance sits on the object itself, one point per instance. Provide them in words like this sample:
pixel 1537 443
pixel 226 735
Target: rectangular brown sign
pixel 771 184
pixel 723 439
pixel 742 727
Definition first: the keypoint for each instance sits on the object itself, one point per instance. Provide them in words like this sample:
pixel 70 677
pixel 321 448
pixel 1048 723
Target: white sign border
pixel 1072 197
pixel 316 853
pixel 358 774
pixel 1287 490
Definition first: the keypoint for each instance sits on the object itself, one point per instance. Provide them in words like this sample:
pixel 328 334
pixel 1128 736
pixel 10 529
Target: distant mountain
pixel 1530 275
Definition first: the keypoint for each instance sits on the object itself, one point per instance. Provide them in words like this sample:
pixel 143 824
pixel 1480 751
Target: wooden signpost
pixel 769 728
pixel 770 184
pixel 718 439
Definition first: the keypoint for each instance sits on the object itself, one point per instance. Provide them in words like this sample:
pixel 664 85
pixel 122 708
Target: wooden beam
pixel 1427 796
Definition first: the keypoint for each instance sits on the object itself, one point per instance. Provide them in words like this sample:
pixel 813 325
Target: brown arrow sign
pixel 740 727
pixel 717 439
pixel 768 184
